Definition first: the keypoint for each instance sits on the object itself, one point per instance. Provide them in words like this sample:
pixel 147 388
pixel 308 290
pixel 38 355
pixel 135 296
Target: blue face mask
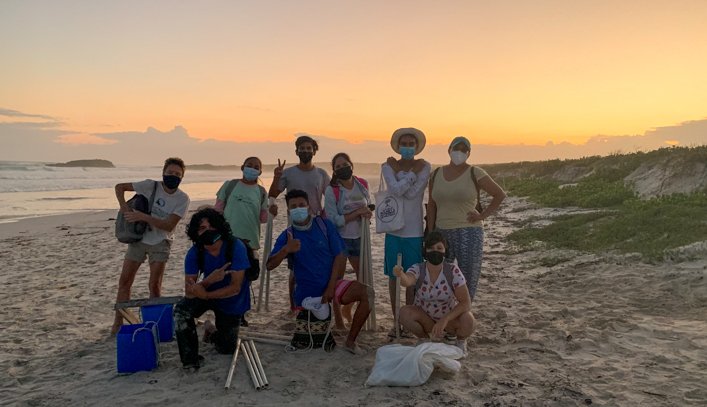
pixel 299 215
pixel 250 174
pixel 407 152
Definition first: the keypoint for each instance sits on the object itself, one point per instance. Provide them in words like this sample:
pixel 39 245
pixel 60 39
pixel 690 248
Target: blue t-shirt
pixel 312 264
pixel 237 304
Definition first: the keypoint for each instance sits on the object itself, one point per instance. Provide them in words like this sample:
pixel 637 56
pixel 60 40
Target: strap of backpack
pixel 263 195
pixel 199 261
pixel 479 208
pixel 432 177
pixel 448 274
pixel 230 244
pixel 229 188
pixel 320 223
pixel 422 268
pixel 152 198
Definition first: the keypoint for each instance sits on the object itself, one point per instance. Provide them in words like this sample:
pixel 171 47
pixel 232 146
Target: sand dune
pixel 599 330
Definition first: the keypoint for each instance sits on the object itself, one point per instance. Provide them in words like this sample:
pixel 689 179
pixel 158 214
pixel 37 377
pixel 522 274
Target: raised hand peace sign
pixel 280 167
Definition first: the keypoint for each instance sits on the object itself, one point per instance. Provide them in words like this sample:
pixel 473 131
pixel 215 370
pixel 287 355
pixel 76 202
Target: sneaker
pixel 461 344
pixel 314 304
pixel 404 333
pixel 449 338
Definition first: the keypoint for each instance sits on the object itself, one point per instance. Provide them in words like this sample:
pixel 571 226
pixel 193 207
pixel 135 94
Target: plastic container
pixel 137 347
pixel 163 315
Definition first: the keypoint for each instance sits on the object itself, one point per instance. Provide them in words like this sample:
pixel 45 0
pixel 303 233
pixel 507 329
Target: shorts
pixel 340 290
pixel 409 247
pixel 157 253
pixel 352 247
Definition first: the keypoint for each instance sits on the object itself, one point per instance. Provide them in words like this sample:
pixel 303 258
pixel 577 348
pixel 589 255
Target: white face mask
pixel 458 157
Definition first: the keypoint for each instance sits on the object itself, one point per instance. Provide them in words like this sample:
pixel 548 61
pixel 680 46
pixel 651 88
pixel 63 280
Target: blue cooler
pixel 162 315
pixel 137 347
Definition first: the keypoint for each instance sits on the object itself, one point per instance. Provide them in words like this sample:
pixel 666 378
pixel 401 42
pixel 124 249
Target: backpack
pixel 251 273
pixel 479 208
pixel 337 188
pixel 232 185
pixel 131 232
pixel 446 270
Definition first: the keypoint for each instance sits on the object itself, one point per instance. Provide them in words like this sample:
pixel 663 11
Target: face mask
pixel 344 173
pixel 435 257
pixel 407 152
pixel 305 157
pixel 171 181
pixel 250 174
pixel 299 215
pixel 458 157
pixel 209 237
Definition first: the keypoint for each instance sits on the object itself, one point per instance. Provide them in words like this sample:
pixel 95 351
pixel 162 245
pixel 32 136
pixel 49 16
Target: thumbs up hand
pixel 293 245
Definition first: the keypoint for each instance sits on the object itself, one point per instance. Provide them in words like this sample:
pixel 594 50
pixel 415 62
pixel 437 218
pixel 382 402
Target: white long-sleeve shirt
pixel 411 187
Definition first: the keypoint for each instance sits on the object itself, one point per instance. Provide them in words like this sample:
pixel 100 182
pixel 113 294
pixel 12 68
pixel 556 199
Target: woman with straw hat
pixel 406 178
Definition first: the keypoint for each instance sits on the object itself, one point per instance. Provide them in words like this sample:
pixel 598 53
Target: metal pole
pixel 267 340
pixel 371 284
pixel 267 248
pixel 233 364
pixel 258 374
pixel 258 363
pixel 249 363
pixel 397 299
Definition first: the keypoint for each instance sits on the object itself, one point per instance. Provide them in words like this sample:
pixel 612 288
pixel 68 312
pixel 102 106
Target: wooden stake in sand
pixel 232 370
pixel 365 273
pixel 397 299
pixel 264 272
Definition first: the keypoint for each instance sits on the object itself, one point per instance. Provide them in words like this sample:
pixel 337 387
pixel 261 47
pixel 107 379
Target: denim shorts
pixel 352 247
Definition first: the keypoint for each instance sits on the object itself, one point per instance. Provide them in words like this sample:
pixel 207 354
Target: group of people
pixel 441 248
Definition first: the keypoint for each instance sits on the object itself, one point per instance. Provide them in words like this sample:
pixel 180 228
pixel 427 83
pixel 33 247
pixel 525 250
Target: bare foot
pixel 346 312
pixel 355 349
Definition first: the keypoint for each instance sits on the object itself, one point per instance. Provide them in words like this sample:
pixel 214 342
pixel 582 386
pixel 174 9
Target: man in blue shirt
pixel 318 261
pixel 224 289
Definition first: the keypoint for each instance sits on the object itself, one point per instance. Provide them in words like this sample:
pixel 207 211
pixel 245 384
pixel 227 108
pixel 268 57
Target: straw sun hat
pixel 419 136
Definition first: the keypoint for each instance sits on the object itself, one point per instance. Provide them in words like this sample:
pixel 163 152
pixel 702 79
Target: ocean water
pixel 29 189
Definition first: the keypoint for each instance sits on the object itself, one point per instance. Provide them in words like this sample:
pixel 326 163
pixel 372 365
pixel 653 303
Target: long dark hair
pixel 216 220
pixel 334 179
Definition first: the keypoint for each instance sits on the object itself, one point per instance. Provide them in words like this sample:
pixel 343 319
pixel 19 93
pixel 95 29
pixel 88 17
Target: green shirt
pixel 455 199
pixel 242 211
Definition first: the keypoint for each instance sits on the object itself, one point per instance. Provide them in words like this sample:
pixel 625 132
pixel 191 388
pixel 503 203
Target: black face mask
pixel 209 237
pixel 344 173
pixel 305 157
pixel 434 257
pixel 171 181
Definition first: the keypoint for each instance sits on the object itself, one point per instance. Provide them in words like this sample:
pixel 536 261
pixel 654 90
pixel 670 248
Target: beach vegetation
pixel 622 222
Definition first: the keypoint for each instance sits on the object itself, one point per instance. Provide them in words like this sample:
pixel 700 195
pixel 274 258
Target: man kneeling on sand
pixel 224 289
pixel 317 253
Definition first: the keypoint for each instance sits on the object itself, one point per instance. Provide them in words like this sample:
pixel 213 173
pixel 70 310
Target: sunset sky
pixel 501 73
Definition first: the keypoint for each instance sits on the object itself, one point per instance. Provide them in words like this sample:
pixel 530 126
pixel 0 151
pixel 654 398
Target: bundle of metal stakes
pixel 246 345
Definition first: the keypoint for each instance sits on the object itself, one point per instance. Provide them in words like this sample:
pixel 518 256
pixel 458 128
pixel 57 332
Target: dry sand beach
pixel 594 330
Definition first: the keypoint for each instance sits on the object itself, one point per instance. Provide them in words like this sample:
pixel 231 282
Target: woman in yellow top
pixel 452 209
